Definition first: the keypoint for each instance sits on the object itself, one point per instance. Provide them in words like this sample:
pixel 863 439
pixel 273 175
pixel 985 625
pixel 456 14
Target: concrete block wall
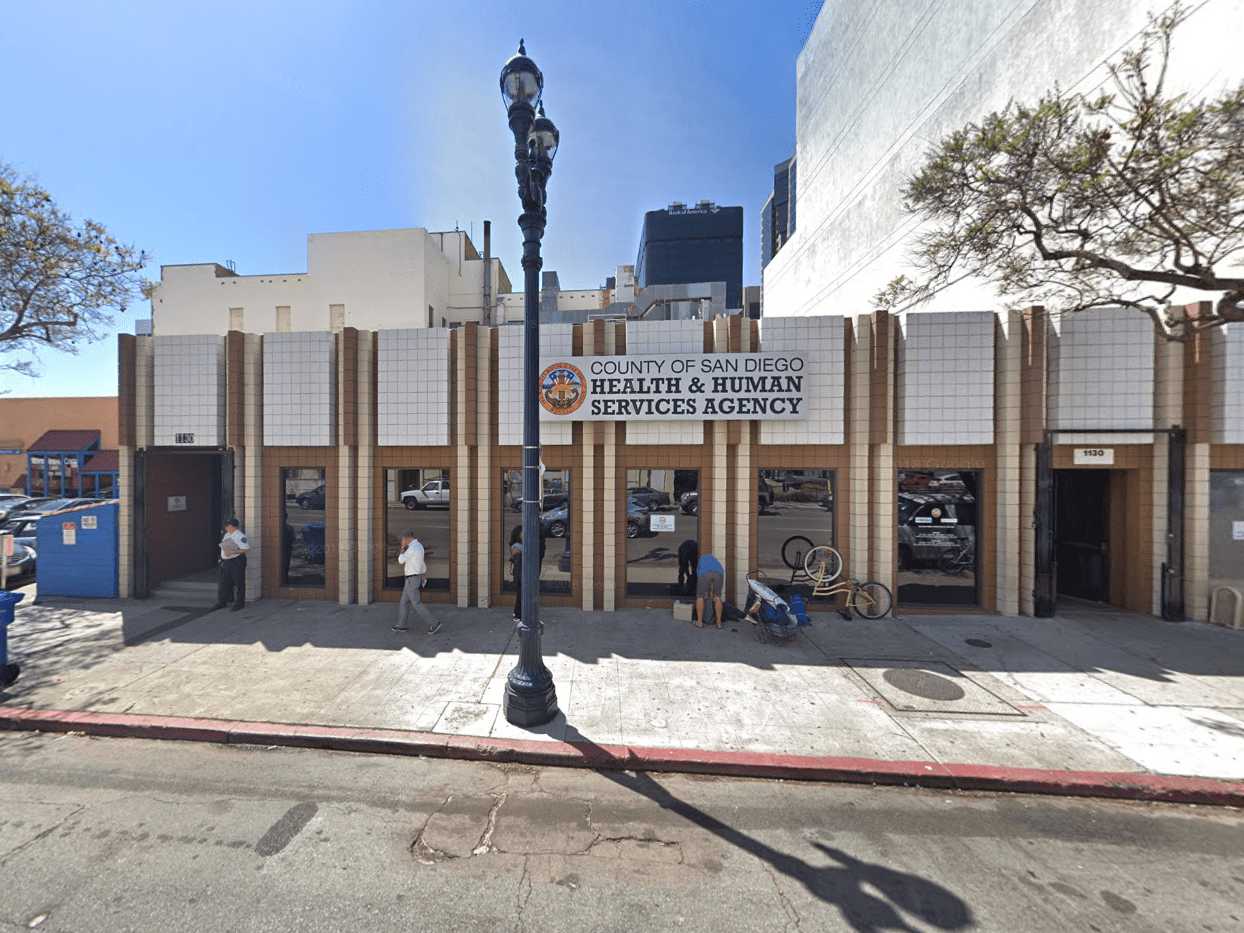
pixel 856 555
pixel 300 389
pixel 251 486
pixel 365 488
pixel 944 378
pixel 1227 376
pixel 556 340
pixel 1101 373
pixel 485 468
pixel 664 337
pixel 412 405
pixel 1006 362
pixel 821 339
pixel 189 380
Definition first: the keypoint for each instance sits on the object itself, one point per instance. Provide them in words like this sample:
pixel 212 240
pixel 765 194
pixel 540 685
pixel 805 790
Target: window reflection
pixel 1226 528
pixel 555 526
pixel 795 512
pixel 417 500
pixel 937 558
pixel 303 507
pixel 662 531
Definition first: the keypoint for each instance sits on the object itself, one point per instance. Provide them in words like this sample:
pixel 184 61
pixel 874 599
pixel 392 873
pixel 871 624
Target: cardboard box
pixel 684 611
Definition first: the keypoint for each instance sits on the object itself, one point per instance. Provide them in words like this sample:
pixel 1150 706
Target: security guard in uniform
pixel 232 582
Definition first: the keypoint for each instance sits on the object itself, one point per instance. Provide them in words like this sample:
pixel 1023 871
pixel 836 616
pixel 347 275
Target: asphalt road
pixel 116 834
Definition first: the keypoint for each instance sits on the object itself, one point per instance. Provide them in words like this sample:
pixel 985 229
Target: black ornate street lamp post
pixel 530 698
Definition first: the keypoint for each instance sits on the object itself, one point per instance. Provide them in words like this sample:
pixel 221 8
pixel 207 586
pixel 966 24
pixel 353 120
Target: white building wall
pixel 945 378
pixel 879 81
pixel 412 385
pixel 821 340
pixel 664 337
pixel 189 390
pixel 300 390
pixel 1101 374
pixel 556 341
pixel 1227 367
pixel 382 279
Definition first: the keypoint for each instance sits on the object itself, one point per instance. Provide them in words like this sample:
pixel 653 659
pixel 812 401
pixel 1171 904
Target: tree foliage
pixel 1076 202
pixel 60 282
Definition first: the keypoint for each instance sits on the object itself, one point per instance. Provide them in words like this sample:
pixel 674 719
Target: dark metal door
pixel 1082 533
pixel 1043 531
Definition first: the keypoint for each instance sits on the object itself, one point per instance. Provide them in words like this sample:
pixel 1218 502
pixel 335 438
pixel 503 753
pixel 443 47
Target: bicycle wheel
pixel 793 549
pixel 948 562
pixel 871 600
pixel 822 564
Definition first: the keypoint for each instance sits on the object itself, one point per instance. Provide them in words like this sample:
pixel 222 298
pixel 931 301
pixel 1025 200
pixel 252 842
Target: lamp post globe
pixel 530 697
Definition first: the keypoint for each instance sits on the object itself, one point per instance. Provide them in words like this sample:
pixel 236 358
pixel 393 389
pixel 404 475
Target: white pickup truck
pixel 432 494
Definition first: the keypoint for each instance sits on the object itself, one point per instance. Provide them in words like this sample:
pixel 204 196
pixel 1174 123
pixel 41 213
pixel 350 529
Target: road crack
pixel 425 854
pixel 792 916
pixel 484 846
pixel 524 894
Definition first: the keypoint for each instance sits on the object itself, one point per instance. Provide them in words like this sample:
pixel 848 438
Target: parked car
pixel 11 503
pixel 21 563
pixel 434 494
pixel 312 499
pixel 636 518
pixel 556 521
pixel 46 506
pixel 650 498
pixel 552 500
pixel 689 502
pixel 24 529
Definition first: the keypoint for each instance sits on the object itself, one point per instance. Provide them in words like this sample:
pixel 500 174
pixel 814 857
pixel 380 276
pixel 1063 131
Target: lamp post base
pixel 528 705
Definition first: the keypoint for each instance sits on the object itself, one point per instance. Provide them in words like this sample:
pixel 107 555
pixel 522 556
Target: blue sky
pixel 231 131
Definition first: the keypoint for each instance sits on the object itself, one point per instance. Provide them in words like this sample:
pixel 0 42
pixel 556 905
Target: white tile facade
pixel 300 389
pixel 664 337
pixel 944 380
pixel 821 340
pixel 1227 368
pixel 189 380
pixel 412 392
pixel 1101 374
pixel 556 340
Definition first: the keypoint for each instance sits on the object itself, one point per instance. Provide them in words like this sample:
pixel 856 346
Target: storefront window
pixel 555 527
pixel 1226 528
pixel 302 526
pixel 795 512
pixel 662 531
pixel 417 501
pixel 937 559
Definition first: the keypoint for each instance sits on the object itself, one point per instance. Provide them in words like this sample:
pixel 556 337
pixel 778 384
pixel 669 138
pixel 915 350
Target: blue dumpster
pixel 8 605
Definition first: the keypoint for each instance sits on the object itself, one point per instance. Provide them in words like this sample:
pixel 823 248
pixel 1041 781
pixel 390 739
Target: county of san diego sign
pixel 662 387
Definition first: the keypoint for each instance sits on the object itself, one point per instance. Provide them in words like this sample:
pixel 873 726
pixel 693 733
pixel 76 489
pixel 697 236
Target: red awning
pixel 64 441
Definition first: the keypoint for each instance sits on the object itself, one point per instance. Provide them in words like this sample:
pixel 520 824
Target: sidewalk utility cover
pixel 928 687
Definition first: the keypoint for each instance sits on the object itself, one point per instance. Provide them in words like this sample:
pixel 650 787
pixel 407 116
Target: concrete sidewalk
pixel 1094 692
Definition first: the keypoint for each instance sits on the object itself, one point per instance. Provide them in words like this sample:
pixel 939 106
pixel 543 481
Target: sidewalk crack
pixel 793 920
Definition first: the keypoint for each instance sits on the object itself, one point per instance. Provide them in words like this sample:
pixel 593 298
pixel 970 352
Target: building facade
pixel 682 245
pixel 929 453
pixel 878 82
pixel 41 428
pixel 367 279
pixel 777 216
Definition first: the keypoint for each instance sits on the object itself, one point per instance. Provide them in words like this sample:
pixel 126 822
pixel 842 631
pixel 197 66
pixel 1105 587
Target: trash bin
pixel 8 604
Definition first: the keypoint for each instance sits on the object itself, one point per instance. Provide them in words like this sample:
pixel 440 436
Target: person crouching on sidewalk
pixel 411 557
pixel 709 582
pixel 231 580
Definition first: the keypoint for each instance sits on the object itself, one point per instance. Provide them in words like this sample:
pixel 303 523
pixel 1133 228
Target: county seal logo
pixel 562 389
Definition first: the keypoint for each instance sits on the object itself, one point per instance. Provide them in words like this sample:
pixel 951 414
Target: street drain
pixel 923 684
pixel 979 643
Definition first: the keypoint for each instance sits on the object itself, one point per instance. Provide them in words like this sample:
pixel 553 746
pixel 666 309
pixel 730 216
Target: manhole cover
pixel 923 684
pixel 979 643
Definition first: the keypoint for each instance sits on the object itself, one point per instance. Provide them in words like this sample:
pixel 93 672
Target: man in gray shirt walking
pixel 411 558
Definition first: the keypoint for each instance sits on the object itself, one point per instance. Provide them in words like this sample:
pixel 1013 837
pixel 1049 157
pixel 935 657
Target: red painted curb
pixel 1122 785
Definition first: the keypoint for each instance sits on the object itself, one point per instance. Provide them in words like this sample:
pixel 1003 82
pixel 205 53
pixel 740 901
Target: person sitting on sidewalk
pixel 710 576
pixel 231 582
pixel 411 557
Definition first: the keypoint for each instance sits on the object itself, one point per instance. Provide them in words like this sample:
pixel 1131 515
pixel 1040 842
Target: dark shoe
pixel 401 628
pixel 434 628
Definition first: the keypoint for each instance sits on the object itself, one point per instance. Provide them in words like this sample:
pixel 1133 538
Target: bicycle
pixel 868 599
pixel 796 557
pixel 957 559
